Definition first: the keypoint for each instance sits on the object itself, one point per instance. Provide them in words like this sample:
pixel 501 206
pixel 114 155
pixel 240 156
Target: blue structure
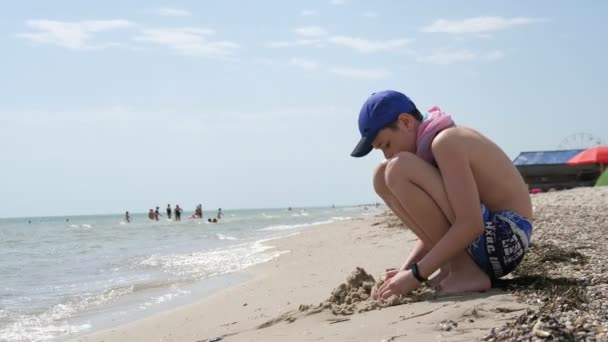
pixel 545 157
pixel 547 170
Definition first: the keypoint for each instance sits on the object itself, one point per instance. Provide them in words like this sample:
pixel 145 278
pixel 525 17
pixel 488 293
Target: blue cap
pixel 380 110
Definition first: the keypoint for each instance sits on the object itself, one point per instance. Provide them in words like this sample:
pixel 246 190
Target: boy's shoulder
pixel 456 138
pixel 463 143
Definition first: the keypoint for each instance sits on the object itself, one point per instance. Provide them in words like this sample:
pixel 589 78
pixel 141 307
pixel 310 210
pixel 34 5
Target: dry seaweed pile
pixel 564 271
pixel 354 296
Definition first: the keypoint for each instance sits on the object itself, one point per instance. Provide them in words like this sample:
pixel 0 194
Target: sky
pixel 112 106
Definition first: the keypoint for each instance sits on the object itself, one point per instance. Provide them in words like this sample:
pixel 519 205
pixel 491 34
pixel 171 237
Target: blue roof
pixel 545 157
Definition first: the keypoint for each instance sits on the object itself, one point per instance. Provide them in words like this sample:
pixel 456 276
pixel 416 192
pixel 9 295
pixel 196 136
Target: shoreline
pixel 320 259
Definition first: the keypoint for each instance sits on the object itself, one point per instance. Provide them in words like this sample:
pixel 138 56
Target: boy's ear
pixel 407 120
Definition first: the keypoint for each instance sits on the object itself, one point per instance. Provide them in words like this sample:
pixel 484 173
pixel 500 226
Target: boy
pixel 454 188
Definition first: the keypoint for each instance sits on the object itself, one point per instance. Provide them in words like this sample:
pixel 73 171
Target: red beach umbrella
pixel 595 155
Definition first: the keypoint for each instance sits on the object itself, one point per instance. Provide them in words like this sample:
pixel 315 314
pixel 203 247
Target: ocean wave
pixel 84 225
pixel 303 225
pixel 176 292
pixel 225 237
pixel 51 323
pixel 200 265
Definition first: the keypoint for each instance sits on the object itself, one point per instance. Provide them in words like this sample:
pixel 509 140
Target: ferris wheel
pixel 579 141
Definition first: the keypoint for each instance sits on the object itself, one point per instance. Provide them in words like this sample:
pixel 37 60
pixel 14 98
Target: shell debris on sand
pixel 564 273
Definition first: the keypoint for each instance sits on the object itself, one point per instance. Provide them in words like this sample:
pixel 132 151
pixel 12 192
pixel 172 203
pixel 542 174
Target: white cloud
pixel 299 42
pixel 364 45
pixel 189 41
pixel 457 56
pixel 172 12
pixel 308 13
pixel 356 73
pixel 337 2
pixel 310 31
pixel 303 63
pixel 478 24
pixel 73 35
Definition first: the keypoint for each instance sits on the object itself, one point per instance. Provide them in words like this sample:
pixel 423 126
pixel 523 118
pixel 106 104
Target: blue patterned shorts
pixel 503 243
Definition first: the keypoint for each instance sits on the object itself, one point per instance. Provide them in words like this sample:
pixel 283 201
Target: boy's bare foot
pixel 435 282
pixel 465 276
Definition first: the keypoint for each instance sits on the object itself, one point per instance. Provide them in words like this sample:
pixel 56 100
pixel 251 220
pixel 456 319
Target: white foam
pixel 302 225
pixel 52 323
pixel 225 237
pixel 200 265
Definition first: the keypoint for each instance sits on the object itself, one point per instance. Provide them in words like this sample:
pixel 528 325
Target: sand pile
pixel 355 296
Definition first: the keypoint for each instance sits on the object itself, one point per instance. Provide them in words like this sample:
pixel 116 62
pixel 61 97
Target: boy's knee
pixel 379 179
pixel 397 168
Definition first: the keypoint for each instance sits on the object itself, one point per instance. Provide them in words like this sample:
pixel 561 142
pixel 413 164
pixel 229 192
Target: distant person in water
pixel 169 211
pixel 151 214
pixel 156 213
pixel 127 217
pixel 212 220
pixel 198 212
pixel 178 213
pixel 219 213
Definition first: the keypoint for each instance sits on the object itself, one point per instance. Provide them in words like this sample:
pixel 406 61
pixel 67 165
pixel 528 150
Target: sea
pixel 64 277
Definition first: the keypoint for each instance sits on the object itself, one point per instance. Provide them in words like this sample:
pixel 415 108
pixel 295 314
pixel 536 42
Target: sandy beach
pixel 283 301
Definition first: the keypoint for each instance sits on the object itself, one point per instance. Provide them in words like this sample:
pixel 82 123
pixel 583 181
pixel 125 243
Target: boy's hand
pixel 403 282
pixel 390 272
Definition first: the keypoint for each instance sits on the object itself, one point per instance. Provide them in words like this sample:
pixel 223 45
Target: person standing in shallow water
pixel 454 188
pixel 156 213
pixel 178 213
pixel 219 213
pixel 169 211
pixel 127 217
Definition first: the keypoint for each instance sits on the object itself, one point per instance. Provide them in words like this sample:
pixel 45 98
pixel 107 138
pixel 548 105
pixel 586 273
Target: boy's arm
pixel 452 155
pixel 417 253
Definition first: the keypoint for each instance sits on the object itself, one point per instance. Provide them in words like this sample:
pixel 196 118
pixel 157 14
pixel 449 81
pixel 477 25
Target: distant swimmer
pixel 151 214
pixel 219 213
pixel 169 211
pixel 127 217
pixel 156 214
pixel 178 213
pixel 198 212
pixel 212 220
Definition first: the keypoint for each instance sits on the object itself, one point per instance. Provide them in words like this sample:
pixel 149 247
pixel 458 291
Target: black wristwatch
pixel 416 273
